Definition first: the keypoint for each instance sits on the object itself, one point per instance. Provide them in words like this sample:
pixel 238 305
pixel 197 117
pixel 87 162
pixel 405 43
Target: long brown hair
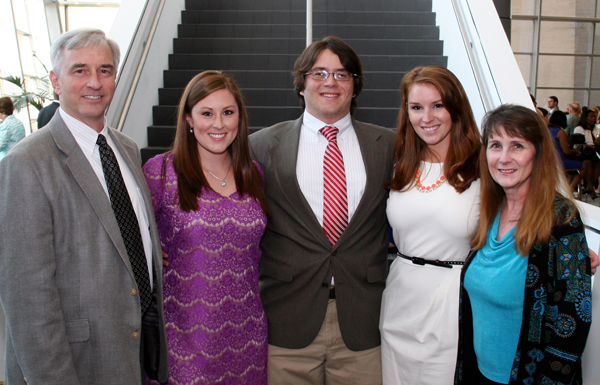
pixel 460 166
pixel 186 159
pixel 537 219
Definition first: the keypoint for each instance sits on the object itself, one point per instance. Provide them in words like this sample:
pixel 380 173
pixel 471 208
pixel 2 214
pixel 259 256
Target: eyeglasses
pixel 342 76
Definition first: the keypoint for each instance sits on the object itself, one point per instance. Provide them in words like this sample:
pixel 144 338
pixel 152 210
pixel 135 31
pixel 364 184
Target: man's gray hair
pixel 81 38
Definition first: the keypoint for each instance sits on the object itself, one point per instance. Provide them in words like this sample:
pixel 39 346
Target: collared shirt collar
pixel 313 125
pixel 85 135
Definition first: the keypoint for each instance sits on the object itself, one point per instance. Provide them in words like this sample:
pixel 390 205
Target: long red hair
pixel 460 166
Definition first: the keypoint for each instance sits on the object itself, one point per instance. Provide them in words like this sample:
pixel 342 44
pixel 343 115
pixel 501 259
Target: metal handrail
pixel 469 48
pixel 140 67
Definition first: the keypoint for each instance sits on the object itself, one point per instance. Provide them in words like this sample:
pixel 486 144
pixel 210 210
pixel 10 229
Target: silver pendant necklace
pixel 223 184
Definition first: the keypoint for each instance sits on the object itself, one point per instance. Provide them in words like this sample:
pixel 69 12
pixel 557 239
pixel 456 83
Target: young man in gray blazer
pixel 75 283
pixel 321 288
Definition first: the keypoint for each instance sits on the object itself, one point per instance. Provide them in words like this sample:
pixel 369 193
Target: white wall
pixel 500 80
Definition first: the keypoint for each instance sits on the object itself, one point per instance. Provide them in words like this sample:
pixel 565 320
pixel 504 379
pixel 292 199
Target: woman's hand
pixel 594 261
pixel 166 257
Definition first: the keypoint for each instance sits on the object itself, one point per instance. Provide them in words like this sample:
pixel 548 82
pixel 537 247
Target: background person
pixel 569 157
pixel 525 296
pixel 552 104
pixel 587 127
pixel 433 210
pixel 574 110
pixel 11 128
pixel 210 207
pixel 46 113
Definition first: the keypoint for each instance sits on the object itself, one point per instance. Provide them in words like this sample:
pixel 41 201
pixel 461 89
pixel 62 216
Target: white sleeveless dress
pixel 419 311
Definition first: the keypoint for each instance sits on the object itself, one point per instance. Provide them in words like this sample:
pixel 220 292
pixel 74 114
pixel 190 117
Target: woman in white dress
pixel 433 209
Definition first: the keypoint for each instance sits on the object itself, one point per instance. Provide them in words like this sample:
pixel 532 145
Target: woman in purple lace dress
pixel 210 207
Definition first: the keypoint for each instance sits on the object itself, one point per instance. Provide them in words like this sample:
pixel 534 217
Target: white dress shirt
pixel 86 138
pixel 309 166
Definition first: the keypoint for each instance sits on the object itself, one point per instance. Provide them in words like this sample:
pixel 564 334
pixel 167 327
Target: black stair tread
pixel 245 5
pixel 335 5
pixel 258 41
pixel 284 31
pixel 264 62
pixel 278 78
pixel 299 17
pixel 241 46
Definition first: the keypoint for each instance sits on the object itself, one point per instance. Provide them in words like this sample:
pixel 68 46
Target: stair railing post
pixel 308 22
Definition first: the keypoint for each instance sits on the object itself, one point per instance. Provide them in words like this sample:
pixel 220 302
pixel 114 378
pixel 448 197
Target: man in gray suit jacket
pixel 322 294
pixel 72 295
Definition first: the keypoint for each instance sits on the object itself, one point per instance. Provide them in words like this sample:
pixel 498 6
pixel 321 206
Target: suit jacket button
pixel 133 292
pixel 326 285
pixel 135 335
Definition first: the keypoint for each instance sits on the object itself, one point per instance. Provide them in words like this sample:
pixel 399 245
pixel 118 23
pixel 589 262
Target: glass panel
pixel 597 39
pixel 61 12
pixel 596 73
pixel 20 15
pixel 564 97
pixel 9 63
pixel 566 37
pixel 563 71
pixel 40 38
pixel 91 17
pixel 521 35
pixel 524 62
pixel 523 7
pixel 594 98
pixel 569 8
pixel 116 2
pixel 579 96
pixel 26 55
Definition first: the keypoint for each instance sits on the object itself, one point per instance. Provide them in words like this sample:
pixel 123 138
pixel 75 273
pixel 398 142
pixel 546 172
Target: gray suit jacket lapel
pixel 284 151
pixel 85 177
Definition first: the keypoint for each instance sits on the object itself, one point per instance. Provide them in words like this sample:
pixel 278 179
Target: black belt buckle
pixel 439 263
pixel 423 261
pixel 418 261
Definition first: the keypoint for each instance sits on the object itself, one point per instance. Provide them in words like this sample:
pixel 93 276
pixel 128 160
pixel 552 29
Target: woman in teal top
pixel 526 288
pixel 11 129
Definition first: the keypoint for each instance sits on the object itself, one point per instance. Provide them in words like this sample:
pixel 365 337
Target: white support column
pixel 308 22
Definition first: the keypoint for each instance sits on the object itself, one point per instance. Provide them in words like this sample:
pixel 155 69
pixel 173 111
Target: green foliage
pixel 24 98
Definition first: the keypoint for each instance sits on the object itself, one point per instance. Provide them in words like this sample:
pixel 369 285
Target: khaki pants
pixel 326 360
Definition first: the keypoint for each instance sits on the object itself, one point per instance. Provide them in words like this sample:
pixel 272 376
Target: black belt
pixel 437 262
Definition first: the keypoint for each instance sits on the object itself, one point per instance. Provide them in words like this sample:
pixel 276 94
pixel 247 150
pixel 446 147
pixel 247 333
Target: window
pixel 557 46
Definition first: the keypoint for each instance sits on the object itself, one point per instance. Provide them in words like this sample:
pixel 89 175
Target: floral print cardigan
pixel 557 312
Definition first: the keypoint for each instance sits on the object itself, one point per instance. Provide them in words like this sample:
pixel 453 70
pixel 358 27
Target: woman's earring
pixel 191 130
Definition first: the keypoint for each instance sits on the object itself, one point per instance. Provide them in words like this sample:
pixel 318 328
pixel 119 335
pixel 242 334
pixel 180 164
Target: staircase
pixel 258 41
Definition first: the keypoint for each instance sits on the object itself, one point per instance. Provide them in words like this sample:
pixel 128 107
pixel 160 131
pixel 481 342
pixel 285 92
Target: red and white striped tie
pixel 335 197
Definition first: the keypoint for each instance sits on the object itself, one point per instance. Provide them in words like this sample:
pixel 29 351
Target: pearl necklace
pixel 223 184
pixel 428 189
